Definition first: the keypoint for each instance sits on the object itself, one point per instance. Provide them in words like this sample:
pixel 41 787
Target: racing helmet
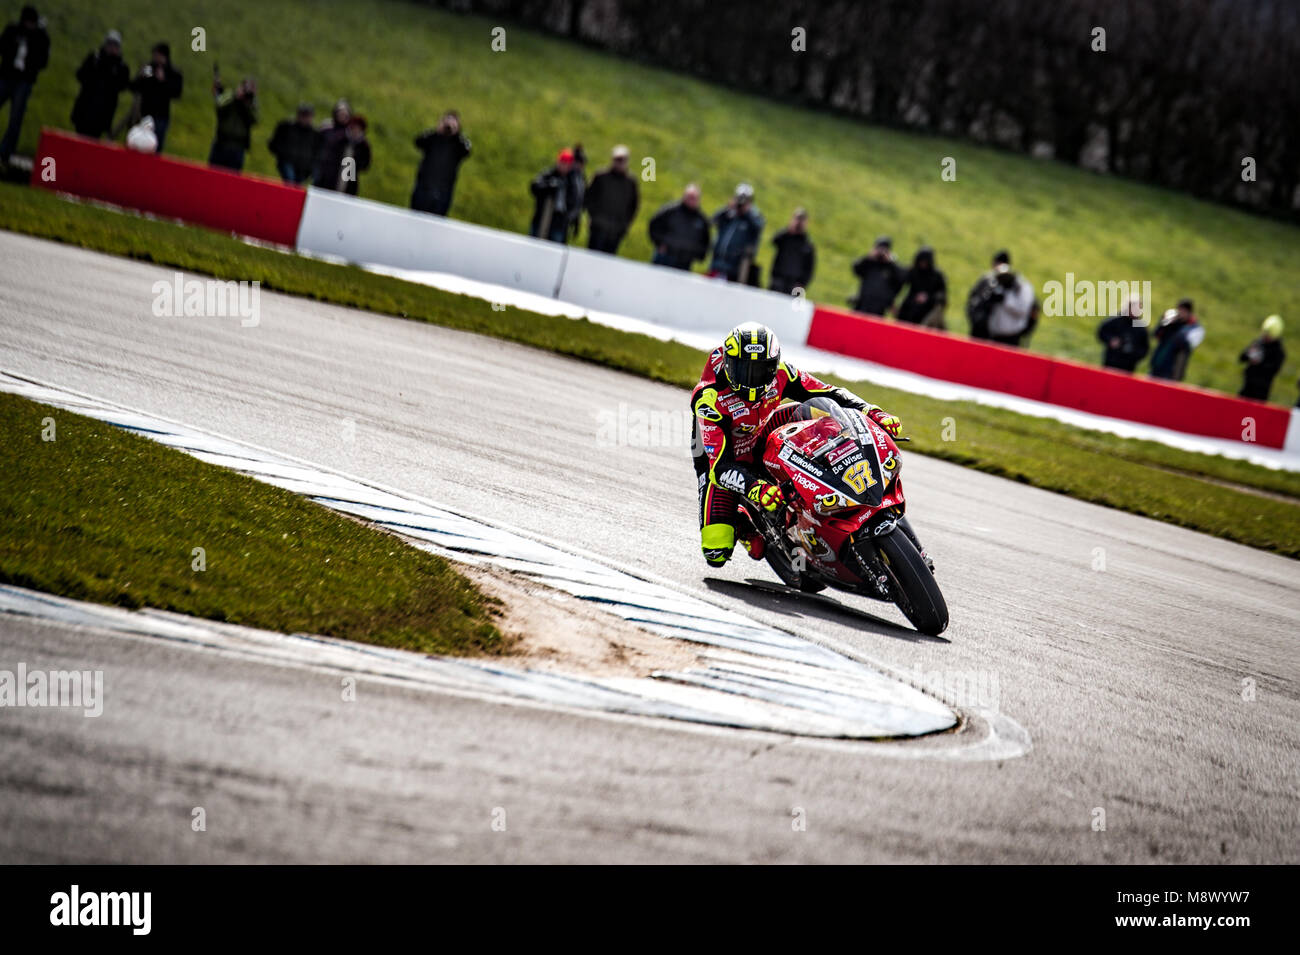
pixel 751 356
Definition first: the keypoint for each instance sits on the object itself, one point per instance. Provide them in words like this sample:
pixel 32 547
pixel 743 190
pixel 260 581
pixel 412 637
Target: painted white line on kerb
pixel 752 676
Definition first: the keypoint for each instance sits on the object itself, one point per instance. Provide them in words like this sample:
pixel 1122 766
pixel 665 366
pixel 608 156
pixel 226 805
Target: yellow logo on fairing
pixel 859 477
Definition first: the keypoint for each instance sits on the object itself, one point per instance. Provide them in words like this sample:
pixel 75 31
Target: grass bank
pixel 100 514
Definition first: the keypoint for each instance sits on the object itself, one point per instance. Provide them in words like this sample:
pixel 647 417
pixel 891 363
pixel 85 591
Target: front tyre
pixel 912 584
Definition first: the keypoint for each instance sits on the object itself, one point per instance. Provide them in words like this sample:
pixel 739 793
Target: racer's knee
pixel 717 542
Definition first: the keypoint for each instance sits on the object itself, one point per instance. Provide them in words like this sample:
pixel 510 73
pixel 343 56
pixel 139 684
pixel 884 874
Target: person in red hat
pixel 557 203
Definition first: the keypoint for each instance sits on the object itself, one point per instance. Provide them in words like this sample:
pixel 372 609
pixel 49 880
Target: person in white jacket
pixel 1013 313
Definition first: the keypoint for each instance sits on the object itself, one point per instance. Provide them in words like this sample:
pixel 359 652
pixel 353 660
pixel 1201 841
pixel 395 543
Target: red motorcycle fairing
pixel 843 469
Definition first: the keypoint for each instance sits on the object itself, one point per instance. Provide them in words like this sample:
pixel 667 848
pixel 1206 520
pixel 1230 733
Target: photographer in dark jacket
pixel 236 116
pixel 1263 357
pixel 557 200
pixel 881 277
pixel 155 86
pixel 611 201
pixel 679 232
pixel 796 257
pixel 1125 337
pixel 295 145
pixel 102 75
pixel 927 292
pixel 24 52
pixel 740 227
pixel 445 148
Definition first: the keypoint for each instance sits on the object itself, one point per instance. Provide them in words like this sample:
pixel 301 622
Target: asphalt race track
pixel 1129 679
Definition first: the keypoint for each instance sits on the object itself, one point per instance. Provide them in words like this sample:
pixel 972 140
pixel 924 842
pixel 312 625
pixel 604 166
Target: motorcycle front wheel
pixel 912 584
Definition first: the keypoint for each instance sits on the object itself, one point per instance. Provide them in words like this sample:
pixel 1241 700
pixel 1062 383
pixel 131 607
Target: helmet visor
pixel 746 371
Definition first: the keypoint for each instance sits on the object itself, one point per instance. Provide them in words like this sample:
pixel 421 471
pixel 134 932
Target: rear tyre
pixel 913 585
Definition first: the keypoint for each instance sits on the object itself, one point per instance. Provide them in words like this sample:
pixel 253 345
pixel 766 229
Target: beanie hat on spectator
pixel 566 155
pixel 113 36
pixel 884 240
pixel 164 49
pixel 1272 327
pixel 1187 304
pixel 28 15
pixel 619 152
pixel 1002 257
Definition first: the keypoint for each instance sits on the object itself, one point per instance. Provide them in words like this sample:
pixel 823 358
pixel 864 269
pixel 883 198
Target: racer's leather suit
pixel 729 435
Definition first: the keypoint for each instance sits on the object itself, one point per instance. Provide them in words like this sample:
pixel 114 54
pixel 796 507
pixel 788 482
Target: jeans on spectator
pixel 17 93
pixel 438 203
pixel 226 155
pixel 291 173
pixel 559 233
pixel 160 124
pixel 603 239
pixel 672 260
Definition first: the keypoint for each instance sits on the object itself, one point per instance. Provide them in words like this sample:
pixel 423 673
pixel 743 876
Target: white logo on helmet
pixel 755 349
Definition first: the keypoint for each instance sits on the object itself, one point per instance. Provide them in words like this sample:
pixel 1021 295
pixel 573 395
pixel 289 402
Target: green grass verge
pixel 1230 499
pixel 104 515
pixel 401 63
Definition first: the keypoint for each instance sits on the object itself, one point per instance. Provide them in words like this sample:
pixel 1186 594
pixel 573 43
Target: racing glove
pixel 886 420
pixel 765 495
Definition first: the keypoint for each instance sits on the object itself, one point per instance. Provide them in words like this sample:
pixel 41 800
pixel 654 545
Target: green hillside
pixel 401 64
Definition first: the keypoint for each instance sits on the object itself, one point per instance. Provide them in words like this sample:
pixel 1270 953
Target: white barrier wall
pixel 676 299
pixel 372 233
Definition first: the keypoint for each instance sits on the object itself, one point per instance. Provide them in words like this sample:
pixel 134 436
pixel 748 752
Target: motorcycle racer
pixel 743 383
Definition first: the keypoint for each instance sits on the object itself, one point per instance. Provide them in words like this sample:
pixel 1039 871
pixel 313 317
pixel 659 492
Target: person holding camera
pixel 1002 307
pixel 236 116
pixel 557 199
pixel 155 86
pixel 445 148
pixel 102 77
pixel 739 227
pixel 880 278
pixel 1263 358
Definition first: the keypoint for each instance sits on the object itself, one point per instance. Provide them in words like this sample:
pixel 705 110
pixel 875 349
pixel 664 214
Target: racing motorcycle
pixel 842 521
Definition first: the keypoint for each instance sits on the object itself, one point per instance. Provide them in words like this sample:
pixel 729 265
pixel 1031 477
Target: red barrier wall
pixel 215 198
pixel 1056 381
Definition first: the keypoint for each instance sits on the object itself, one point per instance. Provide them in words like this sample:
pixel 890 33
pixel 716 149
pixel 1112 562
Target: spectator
pixel 557 200
pixel 1125 337
pixel 236 116
pixel 1263 357
pixel 102 75
pixel 344 155
pixel 1177 336
pixel 295 145
pixel 445 148
pixel 796 257
pixel 740 227
pixel 155 86
pixel 24 52
pixel 927 292
pixel 1013 314
pixel 611 201
pixel 881 277
pixel 980 301
pixel 679 232
pixel 340 115
pixel 579 176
